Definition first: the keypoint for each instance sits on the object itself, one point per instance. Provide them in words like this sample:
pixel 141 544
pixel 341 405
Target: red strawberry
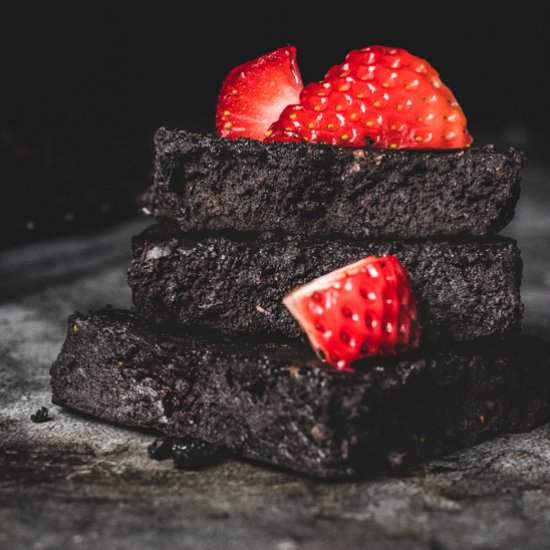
pixel 254 94
pixel 362 310
pixel 382 97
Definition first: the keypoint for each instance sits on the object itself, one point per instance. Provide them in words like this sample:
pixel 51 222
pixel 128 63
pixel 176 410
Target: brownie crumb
pixel 188 453
pixel 41 415
pixel 160 449
pixel 195 454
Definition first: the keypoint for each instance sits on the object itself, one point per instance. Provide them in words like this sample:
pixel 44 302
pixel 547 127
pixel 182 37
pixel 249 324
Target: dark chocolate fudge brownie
pixel 465 290
pixel 278 404
pixel 206 182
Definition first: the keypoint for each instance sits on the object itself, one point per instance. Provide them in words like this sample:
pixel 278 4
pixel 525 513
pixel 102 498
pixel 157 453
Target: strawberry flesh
pixel 366 309
pixel 254 94
pixel 379 97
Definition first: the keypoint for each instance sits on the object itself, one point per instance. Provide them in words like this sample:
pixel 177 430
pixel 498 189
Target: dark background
pixel 86 87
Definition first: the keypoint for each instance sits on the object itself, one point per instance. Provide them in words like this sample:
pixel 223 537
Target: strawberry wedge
pixel 365 309
pixel 254 94
pixel 379 97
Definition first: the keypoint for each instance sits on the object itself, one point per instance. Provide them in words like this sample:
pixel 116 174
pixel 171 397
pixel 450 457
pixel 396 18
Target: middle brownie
pixel 466 289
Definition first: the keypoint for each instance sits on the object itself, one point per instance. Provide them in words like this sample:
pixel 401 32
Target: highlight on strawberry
pixel 254 94
pixel 379 97
pixel 365 309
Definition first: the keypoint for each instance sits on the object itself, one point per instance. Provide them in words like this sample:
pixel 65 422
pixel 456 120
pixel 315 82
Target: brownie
pixel 465 289
pixel 279 404
pixel 207 182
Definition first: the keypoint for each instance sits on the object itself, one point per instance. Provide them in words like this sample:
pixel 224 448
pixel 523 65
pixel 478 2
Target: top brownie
pixel 210 183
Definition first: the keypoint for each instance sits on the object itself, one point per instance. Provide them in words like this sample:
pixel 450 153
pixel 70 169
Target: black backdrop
pixel 86 87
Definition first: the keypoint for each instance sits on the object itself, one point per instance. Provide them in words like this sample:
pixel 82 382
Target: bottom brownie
pixel 278 404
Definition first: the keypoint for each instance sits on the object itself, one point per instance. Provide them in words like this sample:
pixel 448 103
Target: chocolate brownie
pixel 465 289
pixel 207 182
pixel 278 404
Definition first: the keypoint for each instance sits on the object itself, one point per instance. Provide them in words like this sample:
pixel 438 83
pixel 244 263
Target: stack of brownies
pixel 212 353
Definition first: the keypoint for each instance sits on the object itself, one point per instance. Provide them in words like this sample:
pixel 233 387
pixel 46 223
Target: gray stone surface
pixel 78 483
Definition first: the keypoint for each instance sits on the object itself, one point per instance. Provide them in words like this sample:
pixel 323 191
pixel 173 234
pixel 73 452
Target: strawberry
pixel 254 94
pixel 380 97
pixel 365 309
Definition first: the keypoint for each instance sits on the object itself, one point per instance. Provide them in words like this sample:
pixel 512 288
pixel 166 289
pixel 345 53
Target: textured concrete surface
pixel 78 483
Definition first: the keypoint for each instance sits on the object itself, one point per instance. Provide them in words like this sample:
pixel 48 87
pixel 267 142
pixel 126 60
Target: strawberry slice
pixel 254 94
pixel 365 309
pixel 380 97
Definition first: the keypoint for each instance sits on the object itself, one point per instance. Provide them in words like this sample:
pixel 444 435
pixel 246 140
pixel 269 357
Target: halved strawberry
pixel 365 309
pixel 379 97
pixel 254 94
